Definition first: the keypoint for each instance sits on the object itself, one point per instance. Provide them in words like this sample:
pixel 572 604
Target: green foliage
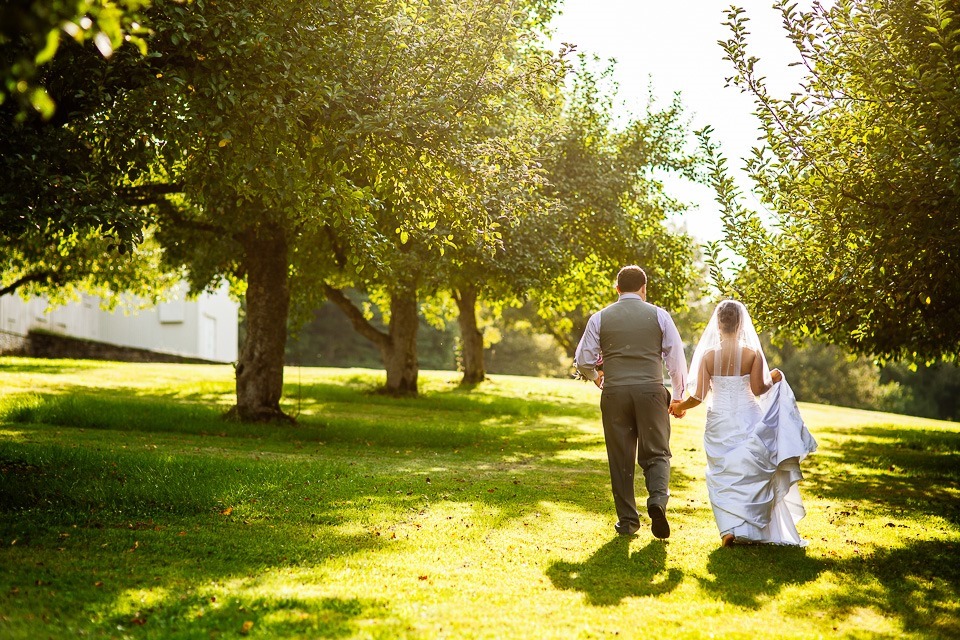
pixel 932 391
pixel 824 374
pixel 60 266
pixel 31 34
pixel 74 187
pixel 612 207
pixel 859 172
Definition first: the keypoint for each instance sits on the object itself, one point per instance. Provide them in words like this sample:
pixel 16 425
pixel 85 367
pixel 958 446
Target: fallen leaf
pixel 421 577
pixel 98 583
pixel 227 511
pixel 245 628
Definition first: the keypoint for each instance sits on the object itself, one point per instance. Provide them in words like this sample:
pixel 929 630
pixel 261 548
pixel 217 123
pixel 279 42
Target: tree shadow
pixel 748 575
pixel 613 573
pixel 903 470
pixel 333 416
pixel 173 586
pixel 17 365
pixel 919 583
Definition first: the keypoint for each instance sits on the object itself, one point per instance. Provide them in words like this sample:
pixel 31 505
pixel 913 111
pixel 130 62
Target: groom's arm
pixel 672 352
pixel 588 351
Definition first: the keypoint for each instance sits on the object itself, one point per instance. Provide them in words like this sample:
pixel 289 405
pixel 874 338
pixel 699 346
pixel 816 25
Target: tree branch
pixel 148 193
pixel 40 276
pixel 360 324
pixel 197 225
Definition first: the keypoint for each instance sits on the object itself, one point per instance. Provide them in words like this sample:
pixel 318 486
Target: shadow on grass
pixel 748 576
pixel 40 367
pixel 152 582
pixel 905 470
pixel 918 583
pixel 82 483
pixel 613 573
pixel 290 617
pixel 338 416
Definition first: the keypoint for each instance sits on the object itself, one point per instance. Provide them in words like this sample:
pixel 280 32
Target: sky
pixel 671 46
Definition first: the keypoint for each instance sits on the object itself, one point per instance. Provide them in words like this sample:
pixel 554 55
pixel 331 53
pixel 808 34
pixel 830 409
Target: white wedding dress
pixel 754 448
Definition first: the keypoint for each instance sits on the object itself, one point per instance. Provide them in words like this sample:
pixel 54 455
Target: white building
pixel 204 328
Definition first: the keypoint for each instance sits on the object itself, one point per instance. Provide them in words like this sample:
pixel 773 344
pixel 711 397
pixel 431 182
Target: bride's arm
pixel 758 385
pixel 703 385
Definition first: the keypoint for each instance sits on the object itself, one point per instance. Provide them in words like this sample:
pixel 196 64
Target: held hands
pixel 675 411
pixel 599 380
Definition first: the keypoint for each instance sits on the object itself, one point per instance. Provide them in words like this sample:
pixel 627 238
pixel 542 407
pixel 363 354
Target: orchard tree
pixel 445 197
pixel 860 178
pixel 524 253
pixel 321 146
pixel 612 206
pixel 75 184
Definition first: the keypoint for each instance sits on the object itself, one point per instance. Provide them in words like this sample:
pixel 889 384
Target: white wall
pixel 202 328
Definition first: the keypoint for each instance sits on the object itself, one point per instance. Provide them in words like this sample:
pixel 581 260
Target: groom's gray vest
pixel 631 342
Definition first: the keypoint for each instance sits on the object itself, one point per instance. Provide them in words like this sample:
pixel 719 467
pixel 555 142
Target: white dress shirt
pixel 588 351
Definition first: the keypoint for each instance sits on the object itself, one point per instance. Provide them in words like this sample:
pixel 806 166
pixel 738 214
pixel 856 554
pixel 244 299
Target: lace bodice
pixel 732 393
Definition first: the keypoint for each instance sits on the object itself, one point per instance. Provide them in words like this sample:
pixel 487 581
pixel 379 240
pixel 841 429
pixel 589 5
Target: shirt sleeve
pixel 672 352
pixel 588 351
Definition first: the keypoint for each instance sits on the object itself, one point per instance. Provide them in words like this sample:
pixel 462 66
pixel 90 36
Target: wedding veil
pixel 729 330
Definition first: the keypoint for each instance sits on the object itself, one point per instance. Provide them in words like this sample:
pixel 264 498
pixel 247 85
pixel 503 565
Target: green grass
pixel 129 508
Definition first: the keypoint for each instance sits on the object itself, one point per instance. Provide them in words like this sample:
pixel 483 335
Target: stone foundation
pixel 41 344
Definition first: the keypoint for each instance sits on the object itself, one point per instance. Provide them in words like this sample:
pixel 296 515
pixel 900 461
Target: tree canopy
pixel 613 207
pixel 858 170
pixel 31 32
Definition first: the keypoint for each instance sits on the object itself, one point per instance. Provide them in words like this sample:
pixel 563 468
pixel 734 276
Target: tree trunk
pixel 398 348
pixel 471 337
pixel 260 368
pixel 400 351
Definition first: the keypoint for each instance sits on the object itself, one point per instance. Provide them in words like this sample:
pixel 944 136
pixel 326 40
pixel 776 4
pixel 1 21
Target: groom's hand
pixel 599 380
pixel 676 413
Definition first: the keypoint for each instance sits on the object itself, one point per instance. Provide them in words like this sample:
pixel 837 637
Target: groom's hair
pixel 631 278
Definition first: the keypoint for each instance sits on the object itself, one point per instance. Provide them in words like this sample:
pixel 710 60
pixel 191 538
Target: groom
pixel 632 336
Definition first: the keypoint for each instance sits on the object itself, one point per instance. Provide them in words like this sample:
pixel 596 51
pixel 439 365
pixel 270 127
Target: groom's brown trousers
pixel 636 427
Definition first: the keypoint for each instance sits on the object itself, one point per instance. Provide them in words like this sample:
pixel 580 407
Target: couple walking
pixel 754 437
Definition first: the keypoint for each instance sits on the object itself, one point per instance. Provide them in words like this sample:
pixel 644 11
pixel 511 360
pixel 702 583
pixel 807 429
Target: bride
pixel 754 437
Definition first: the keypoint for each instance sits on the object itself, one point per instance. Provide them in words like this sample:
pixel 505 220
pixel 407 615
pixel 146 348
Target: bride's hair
pixel 728 316
pixel 730 321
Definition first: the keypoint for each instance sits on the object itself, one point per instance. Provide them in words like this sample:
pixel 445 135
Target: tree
pixel 75 184
pixel 860 176
pixel 613 206
pixel 266 139
pixel 443 199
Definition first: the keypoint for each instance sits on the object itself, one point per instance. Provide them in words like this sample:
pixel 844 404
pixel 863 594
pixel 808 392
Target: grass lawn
pixel 128 508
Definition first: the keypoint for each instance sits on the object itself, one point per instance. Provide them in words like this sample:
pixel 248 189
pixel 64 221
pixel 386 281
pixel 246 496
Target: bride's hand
pixel 675 411
pixel 776 375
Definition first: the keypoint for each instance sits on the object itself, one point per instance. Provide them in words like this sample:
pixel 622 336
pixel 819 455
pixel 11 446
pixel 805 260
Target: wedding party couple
pixel 754 438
